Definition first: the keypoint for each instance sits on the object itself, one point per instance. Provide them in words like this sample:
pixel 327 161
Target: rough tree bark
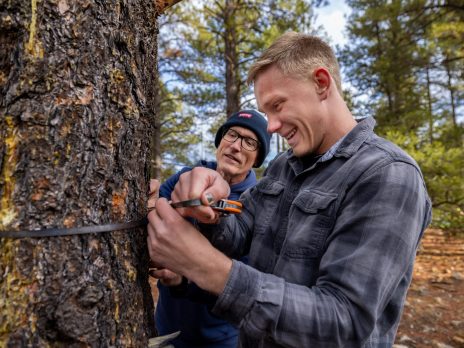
pixel 76 114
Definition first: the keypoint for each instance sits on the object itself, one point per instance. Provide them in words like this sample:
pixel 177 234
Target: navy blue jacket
pixel 191 315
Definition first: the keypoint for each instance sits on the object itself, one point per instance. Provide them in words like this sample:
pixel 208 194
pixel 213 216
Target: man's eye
pixel 249 141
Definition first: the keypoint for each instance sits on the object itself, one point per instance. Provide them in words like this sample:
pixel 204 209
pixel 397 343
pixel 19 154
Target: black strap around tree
pixel 56 232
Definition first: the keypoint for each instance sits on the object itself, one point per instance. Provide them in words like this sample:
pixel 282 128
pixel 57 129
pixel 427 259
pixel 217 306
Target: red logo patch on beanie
pixel 246 115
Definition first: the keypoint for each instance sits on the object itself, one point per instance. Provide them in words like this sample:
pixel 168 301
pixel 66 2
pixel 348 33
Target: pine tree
pixel 77 102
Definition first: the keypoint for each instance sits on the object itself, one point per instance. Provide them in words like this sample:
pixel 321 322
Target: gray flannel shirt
pixel 331 247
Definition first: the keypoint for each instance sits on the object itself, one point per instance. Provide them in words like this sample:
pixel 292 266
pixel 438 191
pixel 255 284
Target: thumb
pixel 217 189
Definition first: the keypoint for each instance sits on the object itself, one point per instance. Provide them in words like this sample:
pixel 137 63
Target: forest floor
pixel 433 316
pixel 434 311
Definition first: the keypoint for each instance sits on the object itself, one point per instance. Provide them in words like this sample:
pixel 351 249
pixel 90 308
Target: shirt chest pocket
pixel 270 194
pixel 312 217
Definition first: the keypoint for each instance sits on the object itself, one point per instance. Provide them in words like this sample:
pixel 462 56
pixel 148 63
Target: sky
pixel 331 17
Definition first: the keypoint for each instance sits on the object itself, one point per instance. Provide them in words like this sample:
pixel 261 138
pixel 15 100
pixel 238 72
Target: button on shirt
pixel 331 247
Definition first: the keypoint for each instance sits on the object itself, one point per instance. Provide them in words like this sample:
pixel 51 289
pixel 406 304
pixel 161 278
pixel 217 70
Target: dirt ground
pixel 434 312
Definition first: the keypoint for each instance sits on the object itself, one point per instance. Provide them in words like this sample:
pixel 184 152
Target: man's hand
pixel 203 183
pixel 175 244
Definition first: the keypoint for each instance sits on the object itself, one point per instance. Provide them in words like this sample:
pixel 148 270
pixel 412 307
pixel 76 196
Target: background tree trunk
pixel 231 58
pixel 77 101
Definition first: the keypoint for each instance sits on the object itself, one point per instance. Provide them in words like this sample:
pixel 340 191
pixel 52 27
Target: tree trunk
pixel 232 77
pixel 451 92
pixel 429 102
pixel 76 114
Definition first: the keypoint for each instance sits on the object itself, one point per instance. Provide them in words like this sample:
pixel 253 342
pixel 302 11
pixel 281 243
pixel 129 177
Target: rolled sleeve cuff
pixel 251 299
pixel 239 294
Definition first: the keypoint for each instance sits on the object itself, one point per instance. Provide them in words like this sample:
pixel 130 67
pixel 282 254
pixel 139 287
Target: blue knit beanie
pixel 255 122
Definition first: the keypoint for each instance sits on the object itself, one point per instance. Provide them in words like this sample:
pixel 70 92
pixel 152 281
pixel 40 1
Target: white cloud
pixel 332 18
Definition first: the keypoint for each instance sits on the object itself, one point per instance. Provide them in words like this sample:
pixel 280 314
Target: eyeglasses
pixel 246 143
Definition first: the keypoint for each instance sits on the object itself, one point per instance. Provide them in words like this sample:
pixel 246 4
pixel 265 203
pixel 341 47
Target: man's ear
pixel 322 80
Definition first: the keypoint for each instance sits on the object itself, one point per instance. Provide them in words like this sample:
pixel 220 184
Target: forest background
pixel 402 62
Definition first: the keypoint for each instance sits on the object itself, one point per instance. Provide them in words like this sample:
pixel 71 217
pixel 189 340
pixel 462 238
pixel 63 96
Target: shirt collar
pixel 354 139
pixel 344 147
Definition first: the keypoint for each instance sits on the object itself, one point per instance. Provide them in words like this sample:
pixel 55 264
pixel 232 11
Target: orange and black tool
pixel 224 206
pixel 227 206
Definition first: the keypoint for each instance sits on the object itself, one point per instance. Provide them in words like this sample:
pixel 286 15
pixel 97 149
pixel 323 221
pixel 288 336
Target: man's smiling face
pixel 293 109
pixel 233 161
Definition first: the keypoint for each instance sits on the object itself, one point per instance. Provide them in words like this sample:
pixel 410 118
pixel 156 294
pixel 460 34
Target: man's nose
pixel 237 144
pixel 273 124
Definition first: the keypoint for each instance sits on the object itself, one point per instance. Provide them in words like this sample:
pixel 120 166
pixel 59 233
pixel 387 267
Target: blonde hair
pixel 298 55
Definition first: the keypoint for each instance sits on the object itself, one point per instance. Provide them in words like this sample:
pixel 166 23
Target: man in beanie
pixel 242 142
